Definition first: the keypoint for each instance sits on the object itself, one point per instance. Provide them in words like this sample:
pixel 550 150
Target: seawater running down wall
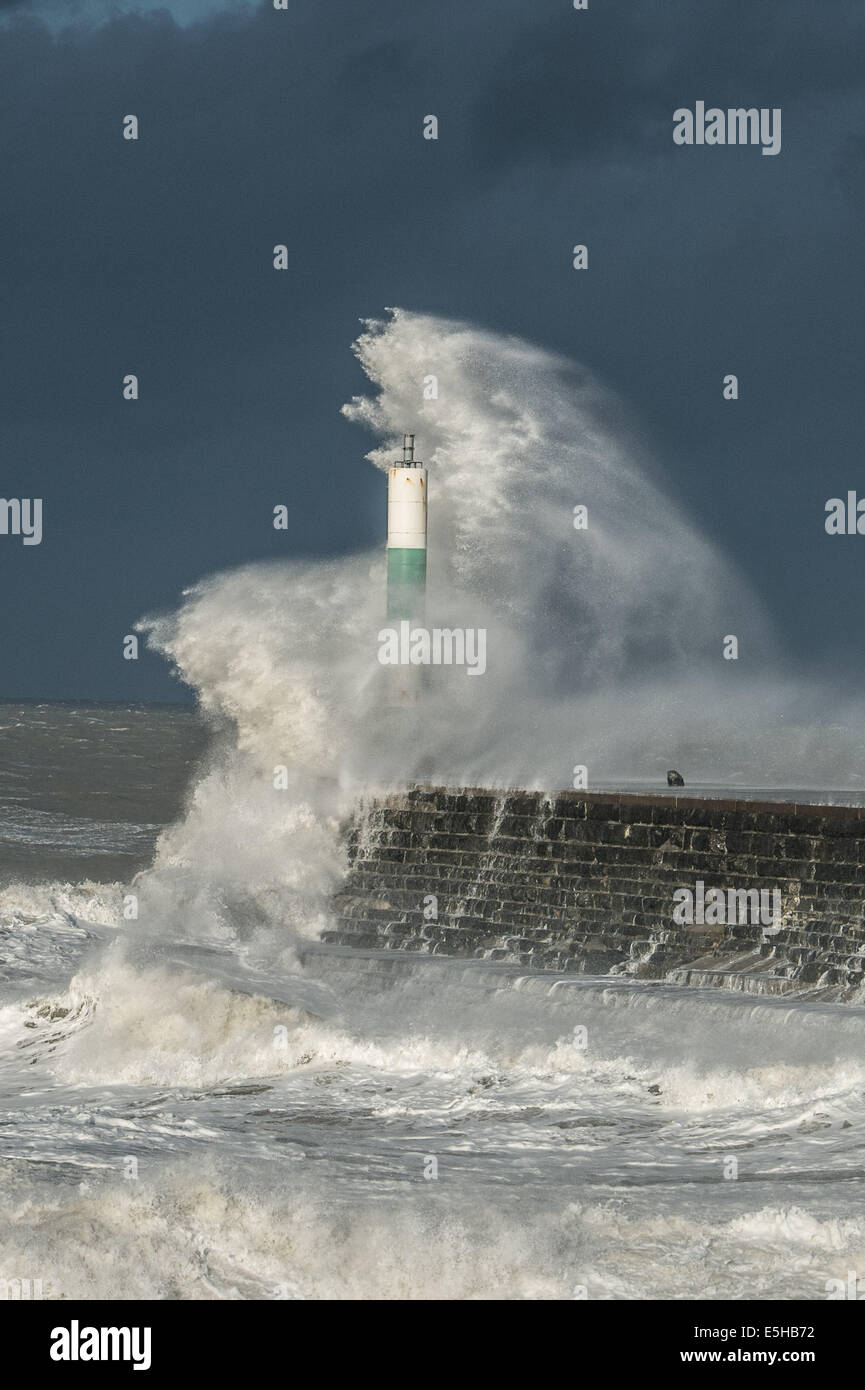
pixel 585 882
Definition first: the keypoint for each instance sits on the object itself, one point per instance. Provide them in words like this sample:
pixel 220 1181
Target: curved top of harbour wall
pixel 761 801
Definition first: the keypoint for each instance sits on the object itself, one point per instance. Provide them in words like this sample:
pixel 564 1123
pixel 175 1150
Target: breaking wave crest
pixel 191 1012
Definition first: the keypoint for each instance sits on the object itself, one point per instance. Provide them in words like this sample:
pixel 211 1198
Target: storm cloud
pixel 304 127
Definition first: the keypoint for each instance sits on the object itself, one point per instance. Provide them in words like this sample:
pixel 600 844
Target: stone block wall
pixel 586 881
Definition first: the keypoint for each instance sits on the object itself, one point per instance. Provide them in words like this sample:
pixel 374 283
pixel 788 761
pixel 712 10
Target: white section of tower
pixel 406 508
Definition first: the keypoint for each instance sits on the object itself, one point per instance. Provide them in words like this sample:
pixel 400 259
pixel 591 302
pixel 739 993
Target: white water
pixel 283 1103
pixel 282 1152
pixel 604 646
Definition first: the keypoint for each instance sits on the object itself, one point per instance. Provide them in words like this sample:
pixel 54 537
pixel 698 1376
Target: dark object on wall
pixel 675 779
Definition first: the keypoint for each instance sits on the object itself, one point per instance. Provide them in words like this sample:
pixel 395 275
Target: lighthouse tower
pixel 406 536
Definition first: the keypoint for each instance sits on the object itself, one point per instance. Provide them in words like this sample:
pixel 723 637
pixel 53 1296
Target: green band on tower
pixel 406 582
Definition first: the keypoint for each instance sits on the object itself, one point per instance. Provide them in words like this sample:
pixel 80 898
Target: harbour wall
pixel 587 882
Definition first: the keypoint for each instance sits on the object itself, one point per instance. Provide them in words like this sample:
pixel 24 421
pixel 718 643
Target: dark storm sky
pixel 304 127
